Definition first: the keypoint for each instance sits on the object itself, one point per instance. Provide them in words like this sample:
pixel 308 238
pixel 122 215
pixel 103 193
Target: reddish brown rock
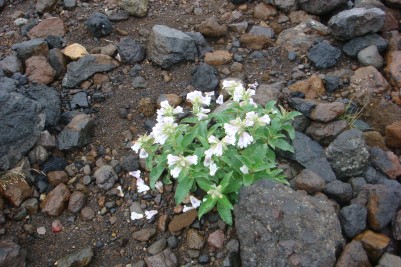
pixel 393 69
pixel 386 162
pixel 212 28
pixel 39 70
pixel 216 239
pixel 264 11
pixel 15 189
pixel 162 224
pixel 173 99
pixel 99 78
pixel 87 214
pixel 144 234
pixel 254 41
pixel 218 57
pixel 57 177
pixel 309 181
pixel 49 26
pixel 312 87
pixel 381 113
pixel 181 221
pixel 366 82
pixel 56 200
pixel 326 112
pixel 393 135
pixel 300 16
pixel 353 255
pixel 166 258
pixel 373 243
pixel 374 139
pixel 195 240
pixel 147 107
pixel 77 201
pixel 325 133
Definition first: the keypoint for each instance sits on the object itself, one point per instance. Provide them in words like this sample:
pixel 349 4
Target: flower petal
pixel 149 214
pixel 136 216
pixel 220 100
pixel 136 174
pixel 195 202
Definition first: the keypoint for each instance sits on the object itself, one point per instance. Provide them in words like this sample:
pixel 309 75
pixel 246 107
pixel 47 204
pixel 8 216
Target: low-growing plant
pixel 217 151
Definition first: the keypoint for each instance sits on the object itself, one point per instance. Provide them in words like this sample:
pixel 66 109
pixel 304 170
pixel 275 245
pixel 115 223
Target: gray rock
pixel 268 92
pixel 331 83
pixel 353 255
pixel 22 121
pixel 10 65
pixel 77 133
pixel 305 106
pixel 50 100
pixel 324 55
pixel 105 177
pixel 301 123
pixel 139 82
pixel 79 100
pixel 137 8
pixel 286 5
pixel 54 41
pixel 353 219
pixel 357 184
pixel 38 155
pixel 309 181
pixel 58 62
pixel 370 57
pixel 27 49
pixel 389 260
pixel 385 162
pixel 2 4
pixel 46 140
pixel 130 51
pixel 99 25
pixel 167 258
pixel 8 85
pixel 356 22
pixel 43 6
pixel 348 154
pixel 373 176
pixel 169 46
pixel 318 7
pixel 262 31
pixel 79 258
pixel 325 133
pixel 70 4
pixel 85 67
pixel 118 15
pixel 311 155
pixel 275 223
pixel 130 163
pixel 11 254
pixel 357 44
pixel 157 246
pixel 201 44
pixel 339 191
pixel 144 234
pixel 205 78
pixel 396 225
pixel 76 202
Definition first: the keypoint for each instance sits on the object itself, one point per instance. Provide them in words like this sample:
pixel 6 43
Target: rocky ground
pixel 80 80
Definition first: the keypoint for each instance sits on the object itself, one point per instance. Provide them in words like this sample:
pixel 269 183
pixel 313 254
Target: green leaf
pixel 202 128
pixel 290 130
pixel 189 138
pixel 183 188
pixel 204 183
pixel 226 180
pixel 224 201
pixel 190 119
pixel 270 105
pixel 206 206
pixel 232 162
pixel 233 186
pixel 157 172
pixel 225 213
pixel 283 145
pixel 248 179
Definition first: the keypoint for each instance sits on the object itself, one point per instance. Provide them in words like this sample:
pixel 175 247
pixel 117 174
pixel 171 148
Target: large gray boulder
pixel 276 225
pixel 169 46
pixel 22 120
pixel 318 7
pixel 348 154
pixel 85 67
pixel 356 22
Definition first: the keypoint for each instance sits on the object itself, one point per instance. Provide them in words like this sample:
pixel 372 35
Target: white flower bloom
pixel 210 94
pixel 140 143
pixel 136 216
pixel 177 163
pixel 197 99
pixel 244 139
pixel 220 100
pixel 136 174
pixel 143 154
pixel 164 130
pixel 149 214
pixel 195 204
pixel 213 169
pixel 120 192
pixel 141 186
pixel 238 126
pixel 208 160
pixel 230 86
pixel 201 113
pixel 257 121
pixel 187 208
pixel 215 192
pixel 244 169
pixel 253 85
pixel 159 186
pixel 167 111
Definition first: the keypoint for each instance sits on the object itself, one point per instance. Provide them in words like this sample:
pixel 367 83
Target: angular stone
pixel 169 46
pixel 348 154
pixel 14 188
pixel 11 254
pixel 312 87
pixel 136 8
pixel 43 6
pixel 326 112
pixel 204 78
pixel 305 106
pixel 373 243
pixel 99 25
pixel 393 135
pixel 353 255
pixel 281 219
pixel 262 31
pixel 357 44
pixel 144 235
pixel 130 51
pixel 87 214
pixel 105 177
pixel 339 191
pixel 212 28
pixel 77 201
pixel 57 177
pixel 356 22
pixel 255 41
pixel 353 219
pixel 157 246
pixel 317 7
pixel 325 133
pixel 309 181
pixel 50 26
pixel 75 51
pixel 80 258
pixel 370 57
pixel 56 200
pixel 268 92
pixel 324 55
pixel 194 239
pixel 179 222
pixel 263 11
pixel 386 162
pixel 84 68
pixel 216 239
pixel 77 133
pixel 27 49
pixel 286 5
pixel 39 70
pixel 58 62
pixel 10 64
pixel 389 260
pixel 218 57
pixel 239 27
pixel 393 69
pixel 374 139
pixel 164 259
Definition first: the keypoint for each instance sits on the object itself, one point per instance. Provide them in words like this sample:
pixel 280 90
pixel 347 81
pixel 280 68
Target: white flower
pixel 218 146
pixel 159 186
pixel 149 214
pixel 210 94
pixel 215 192
pixel 195 204
pixel 257 121
pixel 143 154
pixel 141 186
pixel 120 192
pixel 201 113
pixel 241 94
pixel 167 111
pixel 197 99
pixel 136 216
pixel 177 163
pixel 253 85
pixel 230 86
pixel 220 100
pixel 244 169
pixel 136 174
pixel 213 169
pixel 244 140
pixel 140 143
pixel 238 126
pixel 164 130
pixel 208 160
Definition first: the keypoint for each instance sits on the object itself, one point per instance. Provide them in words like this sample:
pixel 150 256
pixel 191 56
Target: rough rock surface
pixel 105 177
pixel 78 258
pixel 77 133
pixel 204 78
pixel 323 55
pixel 130 51
pixel 99 25
pixel 56 201
pixel 11 254
pixel 137 8
pixel 273 226
pixel 357 44
pixel 317 7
